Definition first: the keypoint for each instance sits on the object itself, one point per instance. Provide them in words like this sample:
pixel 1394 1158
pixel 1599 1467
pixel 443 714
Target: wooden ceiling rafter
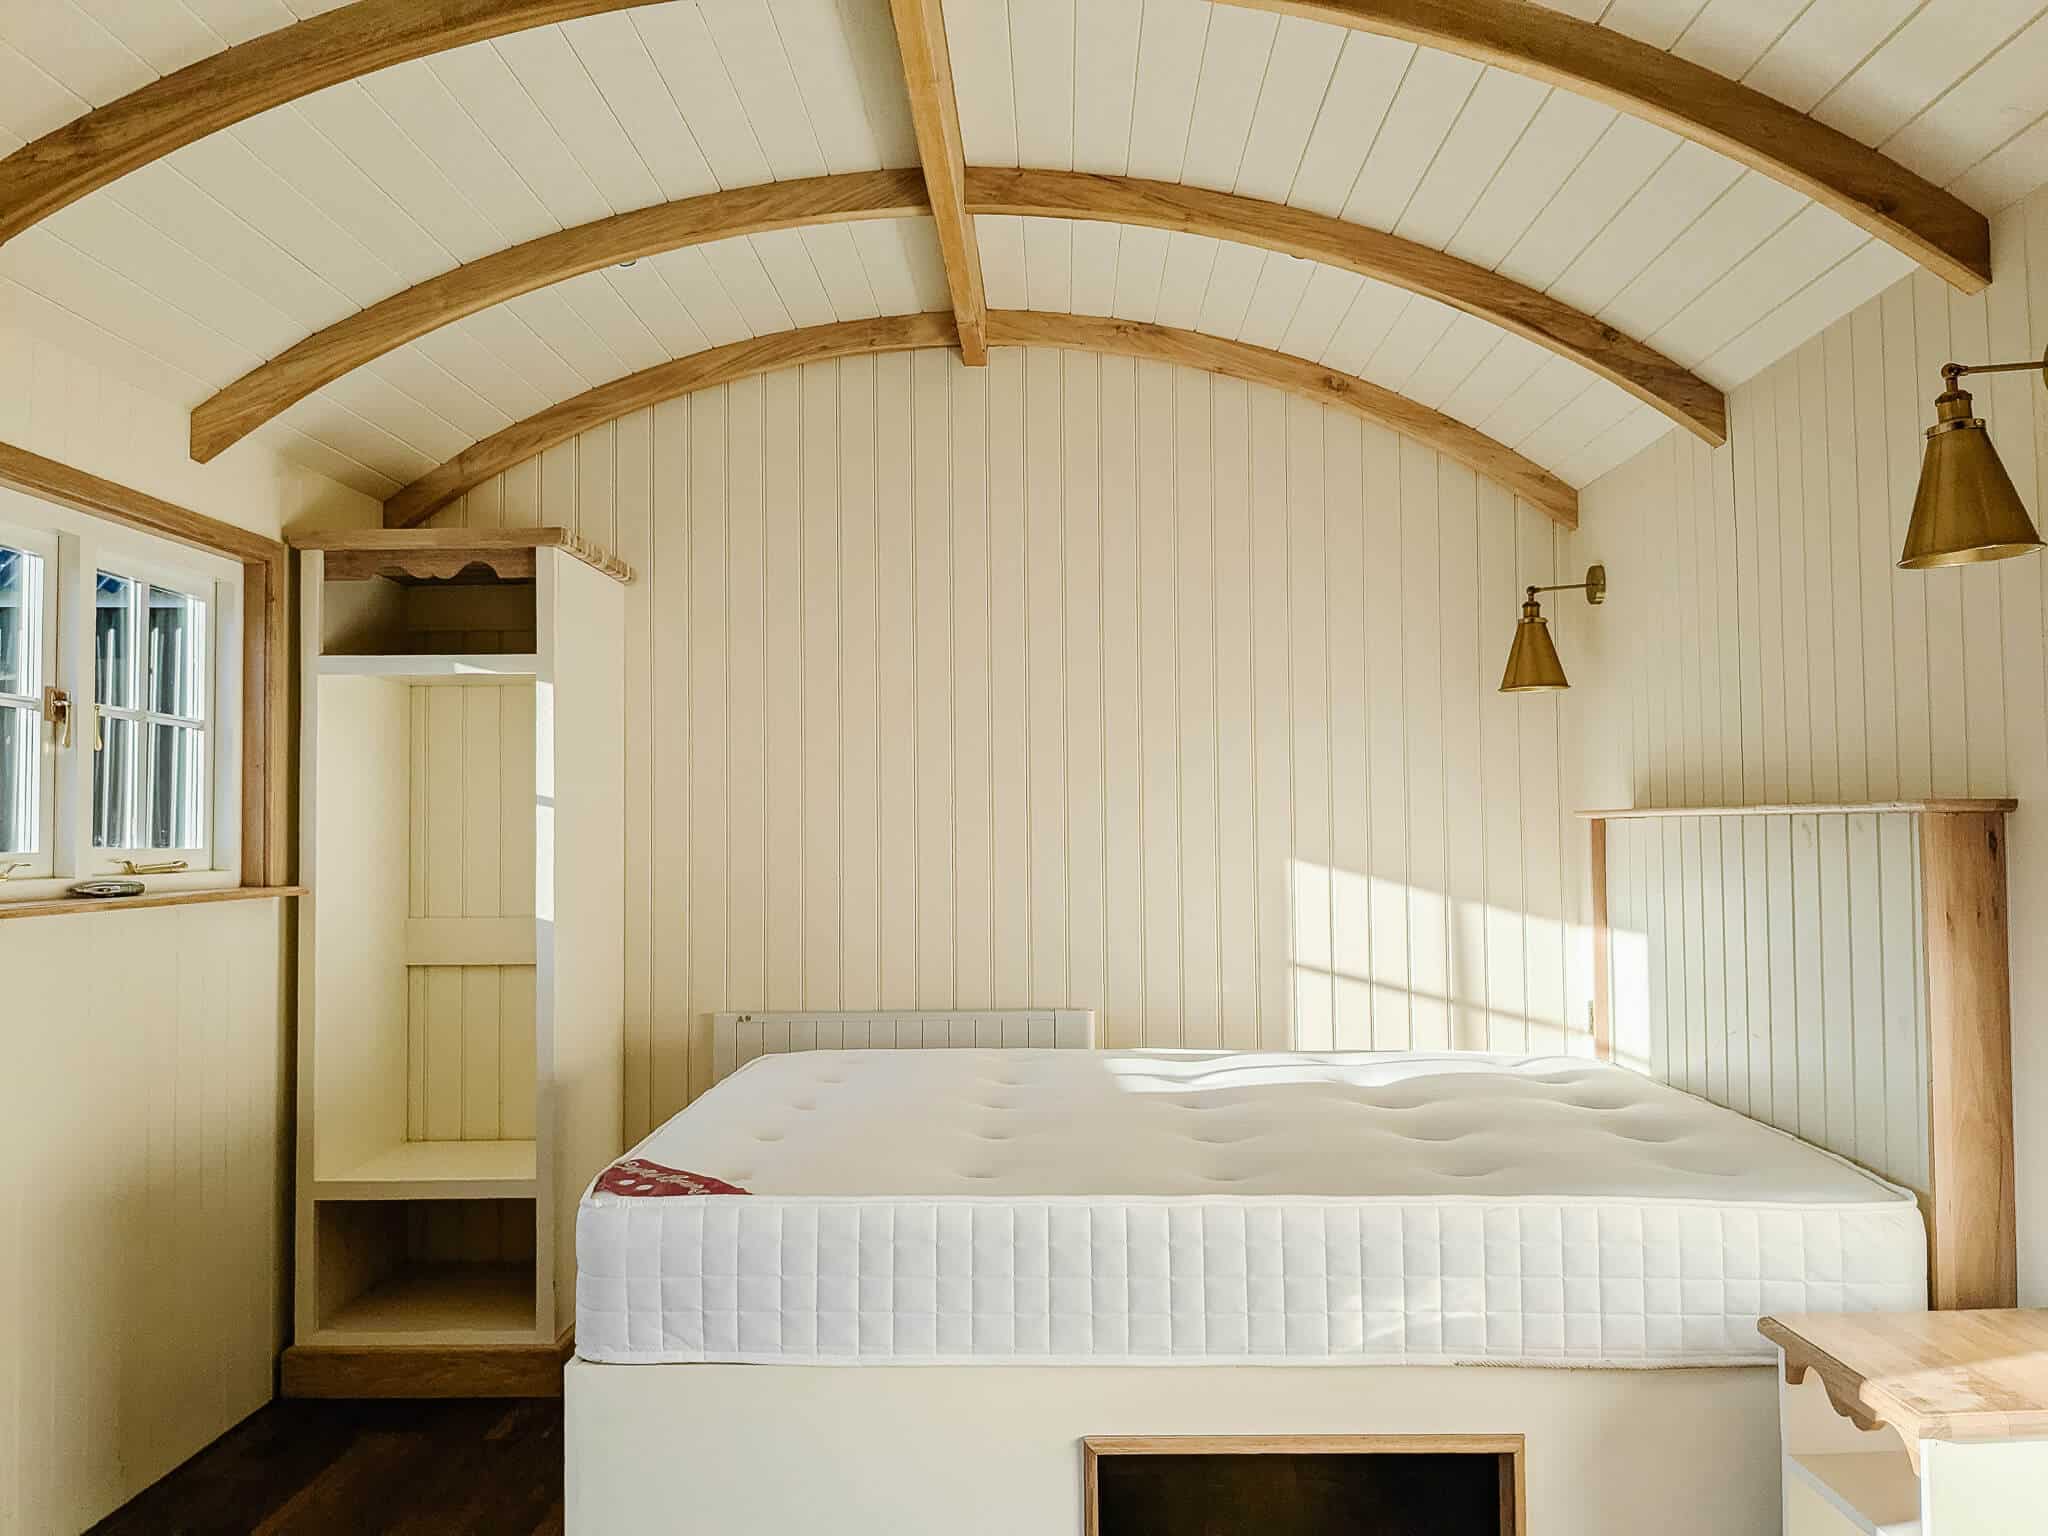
pixel 1934 227
pixel 903 333
pixel 236 84
pixel 935 113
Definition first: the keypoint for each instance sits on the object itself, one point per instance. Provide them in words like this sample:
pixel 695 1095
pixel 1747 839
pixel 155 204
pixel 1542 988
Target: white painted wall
pixel 143 1106
pixel 1760 646
pixel 1071 681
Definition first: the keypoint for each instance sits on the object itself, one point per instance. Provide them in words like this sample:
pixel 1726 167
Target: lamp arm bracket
pixel 1594 586
pixel 1954 371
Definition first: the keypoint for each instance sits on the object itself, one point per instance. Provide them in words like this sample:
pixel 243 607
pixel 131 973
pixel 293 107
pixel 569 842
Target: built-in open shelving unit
pixel 460 992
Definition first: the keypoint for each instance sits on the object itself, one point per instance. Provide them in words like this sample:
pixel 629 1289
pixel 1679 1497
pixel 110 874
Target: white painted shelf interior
pixel 431 669
pixel 1875 1492
pixel 432 1209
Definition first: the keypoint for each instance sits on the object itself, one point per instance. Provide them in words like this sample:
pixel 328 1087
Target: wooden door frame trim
pixel 935 114
pixel 1514 1447
pixel 272 388
pixel 1872 191
pixel 266 635
pixel 1010 327
pixel 236 84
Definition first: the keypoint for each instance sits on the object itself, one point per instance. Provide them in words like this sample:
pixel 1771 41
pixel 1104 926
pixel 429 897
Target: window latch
pixel 57 708
pixel 7 870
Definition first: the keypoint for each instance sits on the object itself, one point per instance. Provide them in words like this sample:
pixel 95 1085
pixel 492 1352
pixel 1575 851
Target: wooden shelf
pixel 437 1170
pixel 461 543
pixel 485 1303
pixel 1875 1491
pixel 1930 1375
pixel 432 669
pixel 1841 808
pixel 72 905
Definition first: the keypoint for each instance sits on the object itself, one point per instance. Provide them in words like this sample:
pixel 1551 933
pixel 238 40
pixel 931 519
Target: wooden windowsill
pixel 69 904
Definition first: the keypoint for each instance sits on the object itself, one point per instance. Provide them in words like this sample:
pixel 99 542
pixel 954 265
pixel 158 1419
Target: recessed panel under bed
pixel 1130 1207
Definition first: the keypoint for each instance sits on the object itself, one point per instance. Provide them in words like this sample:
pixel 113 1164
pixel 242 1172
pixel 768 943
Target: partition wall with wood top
pixel 1955 873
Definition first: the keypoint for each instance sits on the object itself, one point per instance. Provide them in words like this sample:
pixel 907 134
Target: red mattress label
pixel 636 1176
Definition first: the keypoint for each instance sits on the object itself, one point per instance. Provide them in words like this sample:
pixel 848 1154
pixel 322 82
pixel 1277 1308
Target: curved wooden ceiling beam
pixel 1297 376
pixel 1006 327
pixel 276 386
pixel 636 391
pixel 236 84
pixel 1638 368
pixel 1935 228
pixel 1868 189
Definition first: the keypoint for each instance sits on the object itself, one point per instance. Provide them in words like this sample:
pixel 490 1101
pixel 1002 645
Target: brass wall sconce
pixel 1533 666
pixel 1966 509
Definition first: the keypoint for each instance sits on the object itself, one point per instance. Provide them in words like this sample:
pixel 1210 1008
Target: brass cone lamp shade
pixel 1533 666
pixel 1967 508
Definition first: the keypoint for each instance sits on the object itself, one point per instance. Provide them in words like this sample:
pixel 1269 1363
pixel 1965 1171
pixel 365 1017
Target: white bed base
pixel 942 1450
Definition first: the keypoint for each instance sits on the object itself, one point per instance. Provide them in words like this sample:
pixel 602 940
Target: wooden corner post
pixel 1603 946
pixel 1973 1247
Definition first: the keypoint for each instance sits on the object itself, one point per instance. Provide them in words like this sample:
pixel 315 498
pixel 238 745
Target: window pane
pixel 177 787
pixel 21 622
pixel 116 771
pixel 177 656
pixel 114 659
pixel 19 765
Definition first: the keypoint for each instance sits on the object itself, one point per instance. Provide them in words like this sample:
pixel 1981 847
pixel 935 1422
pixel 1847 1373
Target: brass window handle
pixel 57 707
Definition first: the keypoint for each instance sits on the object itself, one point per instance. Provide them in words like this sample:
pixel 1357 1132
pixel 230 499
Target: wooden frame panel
pixel 1972 1217
pixel 1936 228
pixel 935 111
pixel 266 644
pixel 267 391
pixel 1007 327
pixel 236 84
pixel 1509 1450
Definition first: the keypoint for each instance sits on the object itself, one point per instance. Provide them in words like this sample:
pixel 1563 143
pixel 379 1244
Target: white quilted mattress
pixel 1145 1207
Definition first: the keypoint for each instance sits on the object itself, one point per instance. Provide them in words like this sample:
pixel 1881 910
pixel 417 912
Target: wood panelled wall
pixel 470 1027
pixel 1774 964
pixel 99 1396
pixel 1760 645
pixel 1071 681
pixel 142 1213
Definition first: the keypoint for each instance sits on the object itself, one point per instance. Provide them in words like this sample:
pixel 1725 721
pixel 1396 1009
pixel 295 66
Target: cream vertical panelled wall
pixel 1073 681
pixel 1761 647
pixel 144 1234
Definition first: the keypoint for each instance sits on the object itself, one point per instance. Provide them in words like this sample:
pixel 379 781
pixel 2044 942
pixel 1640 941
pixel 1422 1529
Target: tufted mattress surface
pixel 1145 1207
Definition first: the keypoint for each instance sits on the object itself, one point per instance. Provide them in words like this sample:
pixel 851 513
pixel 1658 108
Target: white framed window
pixel 152 757
pixel 120 690
pixel 28 640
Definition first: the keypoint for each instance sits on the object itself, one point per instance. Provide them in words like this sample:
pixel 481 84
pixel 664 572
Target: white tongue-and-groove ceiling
pixel 206 263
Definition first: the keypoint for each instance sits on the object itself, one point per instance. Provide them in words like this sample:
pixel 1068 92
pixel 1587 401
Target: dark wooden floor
pixel 365 1469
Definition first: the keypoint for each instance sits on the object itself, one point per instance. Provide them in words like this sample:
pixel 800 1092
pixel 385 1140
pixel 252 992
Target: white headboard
pixel 737 1038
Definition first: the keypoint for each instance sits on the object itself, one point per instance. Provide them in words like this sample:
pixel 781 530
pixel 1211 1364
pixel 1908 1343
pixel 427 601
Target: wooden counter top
pixel 1929 1375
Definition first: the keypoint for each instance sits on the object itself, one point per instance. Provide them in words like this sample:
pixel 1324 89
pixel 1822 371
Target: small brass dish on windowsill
pixel 101 890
